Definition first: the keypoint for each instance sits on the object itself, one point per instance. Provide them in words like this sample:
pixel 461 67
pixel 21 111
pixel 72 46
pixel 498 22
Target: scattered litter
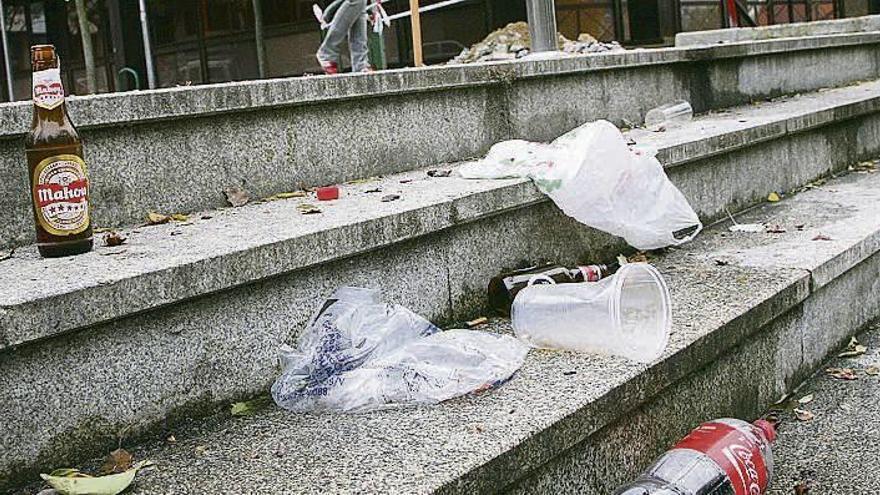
pixel 822 237
pixel 329 193
pixel 308 209
pixel 580 317
pixel 593 176
pixel 113 239
pixel 157 218
pixel 74 482
pixel 773 197
pixel 478 322
pixel 667 115
pixel 237 197
pixel 805 399
pixel 775 229
pixel 360 354
pixel 751 228
pixel 853 349
pixel 119 461
pixel 863 168
pixel 390 197
pixel 7 255
pixel 514 41
pixel 374 190
pixel 804 415
pixel 842 373
pixel 439 173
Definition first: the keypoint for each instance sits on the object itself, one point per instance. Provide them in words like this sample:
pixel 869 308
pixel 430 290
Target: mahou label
pixel 48 91
pixel 61 195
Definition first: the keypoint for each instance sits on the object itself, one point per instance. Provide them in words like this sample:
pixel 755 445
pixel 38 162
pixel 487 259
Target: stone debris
pixel 513 42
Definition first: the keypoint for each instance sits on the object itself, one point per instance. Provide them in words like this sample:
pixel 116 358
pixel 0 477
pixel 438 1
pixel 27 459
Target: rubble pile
pixel 513 41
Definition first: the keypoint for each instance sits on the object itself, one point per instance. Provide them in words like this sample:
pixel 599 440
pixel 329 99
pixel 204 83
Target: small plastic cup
pixel 670 114
pixel 628 314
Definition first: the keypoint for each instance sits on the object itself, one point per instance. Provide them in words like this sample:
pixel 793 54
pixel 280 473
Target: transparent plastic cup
pixel 628 314
pixel 669 114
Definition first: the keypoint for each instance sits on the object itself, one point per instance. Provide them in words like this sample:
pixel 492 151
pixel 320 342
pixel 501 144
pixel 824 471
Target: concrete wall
pixel 176 150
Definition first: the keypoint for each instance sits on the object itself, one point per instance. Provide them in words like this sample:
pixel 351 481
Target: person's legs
pixel 345 17
pixel 357 44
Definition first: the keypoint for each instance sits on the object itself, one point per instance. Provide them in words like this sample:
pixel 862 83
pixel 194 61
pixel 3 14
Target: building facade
pixel 209 41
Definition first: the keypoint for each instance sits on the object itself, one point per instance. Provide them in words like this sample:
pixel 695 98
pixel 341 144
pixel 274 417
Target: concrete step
pixel 177 149
pixel 754 314
pixel 186 317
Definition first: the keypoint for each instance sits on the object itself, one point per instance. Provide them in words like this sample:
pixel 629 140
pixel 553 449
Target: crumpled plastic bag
pixel 360 354
pixel 593 176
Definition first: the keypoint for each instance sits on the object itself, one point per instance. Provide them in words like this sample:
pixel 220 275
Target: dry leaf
pixel 721 262
pixel 752 228
pixel 201 449
pixel 157 218
pixel 72 482
pixel 773 197
pixel 179 217
pixel 439 173
pixel 853 349
pixel 800 226
pixel 842 373
pixel 390 197
pixel 477 322
pixel 308 209
pixel 803 415
pixel 289 195
pixel 113 239
pixel 805 399
pixel 822 237
pixel 171 439
pixel 405 181
pixel 237 197
pixel 374 190
pixel 119 461
pixel 802 488
pixel 872 370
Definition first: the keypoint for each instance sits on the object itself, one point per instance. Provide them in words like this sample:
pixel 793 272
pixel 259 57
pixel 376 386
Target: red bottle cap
pixel 768 429
pixel 328 193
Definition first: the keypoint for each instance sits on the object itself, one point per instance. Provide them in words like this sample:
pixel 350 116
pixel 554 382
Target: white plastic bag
pixel 359 354
pixel 594 177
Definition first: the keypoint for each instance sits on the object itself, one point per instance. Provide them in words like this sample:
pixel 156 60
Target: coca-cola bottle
pixel 721 457
pixel 504 287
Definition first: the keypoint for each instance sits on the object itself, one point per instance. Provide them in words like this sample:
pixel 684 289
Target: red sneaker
pixel 330 68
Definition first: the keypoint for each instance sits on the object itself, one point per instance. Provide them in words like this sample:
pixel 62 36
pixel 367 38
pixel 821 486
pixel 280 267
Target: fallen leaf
pixel 569 373
pixel 804 415
pixel 206 217
pixel 805 399
pixel 803 488
pixel 822 237
pixel 157 218
pixel 179 217
pixel 439 173
pixel 375 190
pixel 477 322
pixel 751 228
pixel 241 409
pixel 119 461
pixel 842 373
pixel 773 197
pixel 113 239
pixel 775 229
pixel 800 226
pixel 201 449
pixel 171 439
pixel 872 370
pixel 405 181
pixel 237 197
pixel 721 262
pixel 289 195
pixel 853 349
pixel 390 197
pixel 76 483
pixel 308 209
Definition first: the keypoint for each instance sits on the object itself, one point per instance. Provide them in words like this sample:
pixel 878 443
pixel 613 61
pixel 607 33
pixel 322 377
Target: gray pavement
pixel 837 452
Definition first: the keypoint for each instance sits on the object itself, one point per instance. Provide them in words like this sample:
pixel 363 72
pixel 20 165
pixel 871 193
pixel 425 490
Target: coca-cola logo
pixel 742 457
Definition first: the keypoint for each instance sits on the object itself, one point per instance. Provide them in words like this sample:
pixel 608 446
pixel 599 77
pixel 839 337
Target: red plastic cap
pixel 328 193
pixel 768 429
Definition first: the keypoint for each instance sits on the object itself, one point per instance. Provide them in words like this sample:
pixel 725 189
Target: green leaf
pixel 104 485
